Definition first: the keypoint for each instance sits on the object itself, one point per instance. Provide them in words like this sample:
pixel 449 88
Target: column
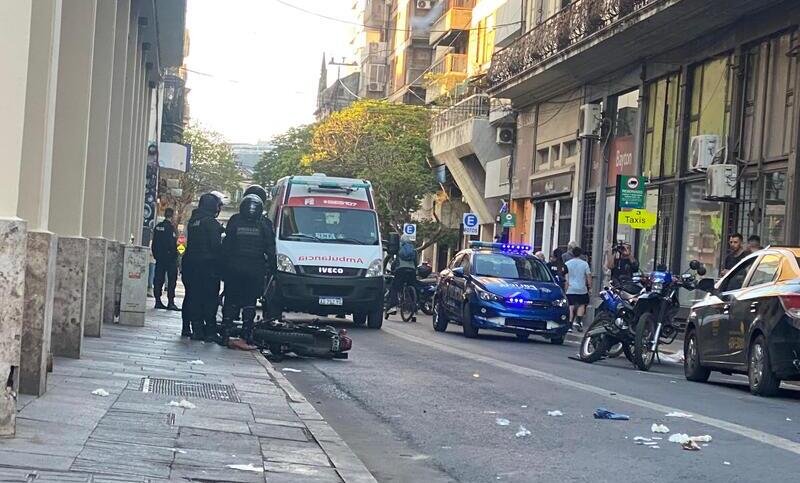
pixel 34 199
pixel 110 215
pixel 69 171
pixel 136 141
pixel 15 25
pixel 123 236
pixel 97 152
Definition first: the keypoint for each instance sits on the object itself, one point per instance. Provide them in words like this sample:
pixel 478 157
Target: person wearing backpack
pixel 404 269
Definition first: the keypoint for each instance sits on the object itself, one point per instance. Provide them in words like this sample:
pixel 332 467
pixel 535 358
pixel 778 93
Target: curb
pixel 349 467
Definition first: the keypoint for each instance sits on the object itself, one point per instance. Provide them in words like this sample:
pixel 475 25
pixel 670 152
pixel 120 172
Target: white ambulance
pixel 329 248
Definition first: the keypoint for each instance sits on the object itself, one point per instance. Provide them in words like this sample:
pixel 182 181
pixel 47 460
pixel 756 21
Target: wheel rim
pixel 691 352
pixel 588 346
pixel 647 354
pixel 757 364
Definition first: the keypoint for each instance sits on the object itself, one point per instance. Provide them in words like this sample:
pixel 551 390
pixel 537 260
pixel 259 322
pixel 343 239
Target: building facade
pixel 642 87
pixel 78 78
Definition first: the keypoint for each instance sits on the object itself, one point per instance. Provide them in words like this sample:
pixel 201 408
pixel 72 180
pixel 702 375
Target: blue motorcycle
pixel 613 329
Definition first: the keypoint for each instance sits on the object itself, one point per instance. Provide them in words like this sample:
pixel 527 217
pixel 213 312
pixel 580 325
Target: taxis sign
pixel 637 219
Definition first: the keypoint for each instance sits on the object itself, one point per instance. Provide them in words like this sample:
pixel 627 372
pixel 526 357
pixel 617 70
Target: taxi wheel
pixel 692 368
pixel 759 371
pixel 360 319
pixel 470 331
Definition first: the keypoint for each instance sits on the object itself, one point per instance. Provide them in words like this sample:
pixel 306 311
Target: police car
pixel 500 287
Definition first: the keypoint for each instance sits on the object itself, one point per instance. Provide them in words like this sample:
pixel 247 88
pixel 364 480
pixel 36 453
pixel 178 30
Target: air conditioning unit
pixel 375 86
pixel 424 4
pixel 505 135
pixel 702 151
pixel 721 181
pixel 591 120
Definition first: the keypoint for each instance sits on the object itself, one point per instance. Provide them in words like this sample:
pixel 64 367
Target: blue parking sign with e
pixel 470 224
pixel 410 229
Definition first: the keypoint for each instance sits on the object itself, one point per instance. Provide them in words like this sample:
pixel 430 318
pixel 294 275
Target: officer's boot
pixel 229 313
pixel 198 330
pixel 186 330
pixel 248 321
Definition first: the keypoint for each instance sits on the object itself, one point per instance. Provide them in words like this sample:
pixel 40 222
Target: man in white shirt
pixel 579 279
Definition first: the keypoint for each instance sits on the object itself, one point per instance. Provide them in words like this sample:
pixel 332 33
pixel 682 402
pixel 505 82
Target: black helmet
pixel 258 190
pixel 251 207
pixel 209 202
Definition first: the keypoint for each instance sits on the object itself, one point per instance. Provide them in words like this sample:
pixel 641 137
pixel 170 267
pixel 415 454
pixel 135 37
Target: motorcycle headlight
pixel 375 268
pixel 562 302
pixel 657 287
pixel 285 264
pixel 487 296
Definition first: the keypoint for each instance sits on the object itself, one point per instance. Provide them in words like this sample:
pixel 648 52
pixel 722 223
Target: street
pixel 416 405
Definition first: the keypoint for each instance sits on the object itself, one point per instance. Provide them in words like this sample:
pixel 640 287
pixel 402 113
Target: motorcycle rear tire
pixel 645 329
pixel 601 343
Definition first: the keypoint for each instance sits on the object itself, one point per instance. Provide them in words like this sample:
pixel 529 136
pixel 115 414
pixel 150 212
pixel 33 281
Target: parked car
pixel 500 287
pixel 749 322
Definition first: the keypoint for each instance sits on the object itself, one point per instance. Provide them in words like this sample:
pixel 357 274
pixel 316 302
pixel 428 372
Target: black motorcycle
pixel 613 329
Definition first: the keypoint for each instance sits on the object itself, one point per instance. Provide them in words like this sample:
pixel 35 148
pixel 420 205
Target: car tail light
pixel 791 304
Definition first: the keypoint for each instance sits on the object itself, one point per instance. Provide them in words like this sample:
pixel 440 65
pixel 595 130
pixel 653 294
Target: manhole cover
pixel 202 390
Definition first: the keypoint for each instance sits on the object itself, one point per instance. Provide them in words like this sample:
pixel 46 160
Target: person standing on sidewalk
pixel 165 252
pixel 203 248
pixel 579 279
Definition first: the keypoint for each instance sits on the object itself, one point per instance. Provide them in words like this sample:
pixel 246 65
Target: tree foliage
pixel 285 158
pixel 383 142
pixel 213 167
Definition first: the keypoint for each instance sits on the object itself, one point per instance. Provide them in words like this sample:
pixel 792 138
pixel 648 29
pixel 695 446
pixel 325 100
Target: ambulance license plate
pixel 330 301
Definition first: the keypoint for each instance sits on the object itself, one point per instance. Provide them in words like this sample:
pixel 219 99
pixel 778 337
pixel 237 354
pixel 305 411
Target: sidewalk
pixel 245 414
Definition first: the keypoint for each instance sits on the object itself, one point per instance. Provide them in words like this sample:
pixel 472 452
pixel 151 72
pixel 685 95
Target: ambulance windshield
pixel 329 225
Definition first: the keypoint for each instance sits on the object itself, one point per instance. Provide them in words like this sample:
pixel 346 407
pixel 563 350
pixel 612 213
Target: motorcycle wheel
pixel 628 350
pixel 593 348
pixel 645 330
pixel 427 307
pixel 615 350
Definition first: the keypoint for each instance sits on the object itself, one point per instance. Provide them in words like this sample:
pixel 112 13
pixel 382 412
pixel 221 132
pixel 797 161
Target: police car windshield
pixel 329 225
pixel 505 265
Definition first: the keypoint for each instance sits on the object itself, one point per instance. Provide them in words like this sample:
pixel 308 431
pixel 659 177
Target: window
pixel 743 213
pixel 538 226
pixel 711 98
pixel 701 233
pixel 622 145
pixel 775 208
pixel 766 270
pixel 589 207
pixel 570 150
pixel 555 153
pixel 655 246
pixel 564 222
pixel 661 130
pixel 736 279
pixel 504 265
pixel 484 41
pixel 542 159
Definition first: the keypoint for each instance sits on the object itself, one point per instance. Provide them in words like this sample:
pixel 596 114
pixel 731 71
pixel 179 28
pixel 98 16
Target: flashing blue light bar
pixel 506 247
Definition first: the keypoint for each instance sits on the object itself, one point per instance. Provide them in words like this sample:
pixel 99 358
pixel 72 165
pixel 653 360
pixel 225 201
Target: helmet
pixel 251 207
pixel 258 190
pixel 221 197
pixel 209 202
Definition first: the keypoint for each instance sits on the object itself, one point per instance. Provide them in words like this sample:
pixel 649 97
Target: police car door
pixel 447 282
pixel 459 285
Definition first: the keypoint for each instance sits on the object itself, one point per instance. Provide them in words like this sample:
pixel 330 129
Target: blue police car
pixel 500 287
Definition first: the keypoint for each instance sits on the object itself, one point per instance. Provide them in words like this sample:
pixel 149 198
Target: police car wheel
pixel 439 318
pixel 359 319
pixel 470 331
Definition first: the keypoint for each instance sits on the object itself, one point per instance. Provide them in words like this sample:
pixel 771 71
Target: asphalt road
pixel 420 406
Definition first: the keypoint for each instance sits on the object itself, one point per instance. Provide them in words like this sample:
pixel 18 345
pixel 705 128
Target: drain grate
pixel 188 389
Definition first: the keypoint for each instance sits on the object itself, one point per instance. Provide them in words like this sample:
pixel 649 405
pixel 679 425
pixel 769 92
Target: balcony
pixel 456 16
pixel 449 71
pixel 473 107
pixel 592 38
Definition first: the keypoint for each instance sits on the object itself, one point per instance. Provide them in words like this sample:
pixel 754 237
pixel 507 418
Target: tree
pixel 213 167
pixel 285 157
pixel 385 143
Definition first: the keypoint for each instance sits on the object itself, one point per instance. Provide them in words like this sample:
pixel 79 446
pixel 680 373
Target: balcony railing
pixel 450 63
pixel 446 73
pixel 456 15
pixel 476 106
pixel 574 23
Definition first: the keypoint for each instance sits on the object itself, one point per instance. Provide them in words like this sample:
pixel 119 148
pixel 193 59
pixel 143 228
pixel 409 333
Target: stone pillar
pixel 34 199
pixel 113 274
pixel 69 170
pixel 123 235
pixel 134 286
pixel 95 287
pixel 15 31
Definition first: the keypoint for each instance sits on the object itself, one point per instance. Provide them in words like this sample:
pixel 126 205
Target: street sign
pixel 631 191
pixel 637 219
pixel 410 230
pixel 470 221
pixel 181 249
pixel 509 220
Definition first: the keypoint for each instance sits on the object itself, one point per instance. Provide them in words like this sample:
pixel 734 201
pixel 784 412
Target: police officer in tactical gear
pixel 258 190
pixel 201 268
pixel 248 254
pixel 165 252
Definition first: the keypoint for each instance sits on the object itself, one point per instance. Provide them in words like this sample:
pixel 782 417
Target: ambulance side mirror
pixel 393 244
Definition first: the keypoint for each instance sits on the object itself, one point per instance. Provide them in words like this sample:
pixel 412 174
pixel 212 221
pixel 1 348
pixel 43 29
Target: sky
pixel 254 64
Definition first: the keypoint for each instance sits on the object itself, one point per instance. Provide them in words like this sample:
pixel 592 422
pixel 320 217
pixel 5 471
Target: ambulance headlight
pixel 285 264
pixel 375 268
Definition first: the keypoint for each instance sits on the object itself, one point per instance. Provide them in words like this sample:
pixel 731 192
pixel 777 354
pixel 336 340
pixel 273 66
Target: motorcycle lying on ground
pixel 656 309
pixel 613 329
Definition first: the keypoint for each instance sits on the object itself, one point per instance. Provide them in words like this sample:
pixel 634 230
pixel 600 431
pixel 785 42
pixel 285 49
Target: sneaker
pixel 159 305
pixel 577 326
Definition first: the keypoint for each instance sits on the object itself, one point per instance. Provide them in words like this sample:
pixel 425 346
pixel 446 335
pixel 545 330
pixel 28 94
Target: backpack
pixel 407 252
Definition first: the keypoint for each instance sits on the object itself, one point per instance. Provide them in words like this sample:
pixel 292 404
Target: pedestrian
pixel 754 243
pixel 568 254
pixel 248 252
pixel 203 248
pixel 557 267
pixel 735 253
pixel 621 262
pixel 539 255
pixel 404 270
pixel 165 252
pixel 579 279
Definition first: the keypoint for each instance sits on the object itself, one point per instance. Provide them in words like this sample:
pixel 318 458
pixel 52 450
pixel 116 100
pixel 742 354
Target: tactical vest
pixel 250 240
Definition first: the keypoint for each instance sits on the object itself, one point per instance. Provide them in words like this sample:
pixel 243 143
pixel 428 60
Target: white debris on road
pixel 678 414
pixel 196 362
pixel 555 413
pixel 726 463
pixel 789 419
pixel 659 428
pixel 183 404
pixel 679 438
pixel 676 358
pixel 476 375
pixel 522 432
pixel 289 369
pixel 524 406
pixel 100 392
pixel 502 422
pixel 690 446
pixel 490 412
pixel 701 439
pixel 639 439
pixel 247 467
